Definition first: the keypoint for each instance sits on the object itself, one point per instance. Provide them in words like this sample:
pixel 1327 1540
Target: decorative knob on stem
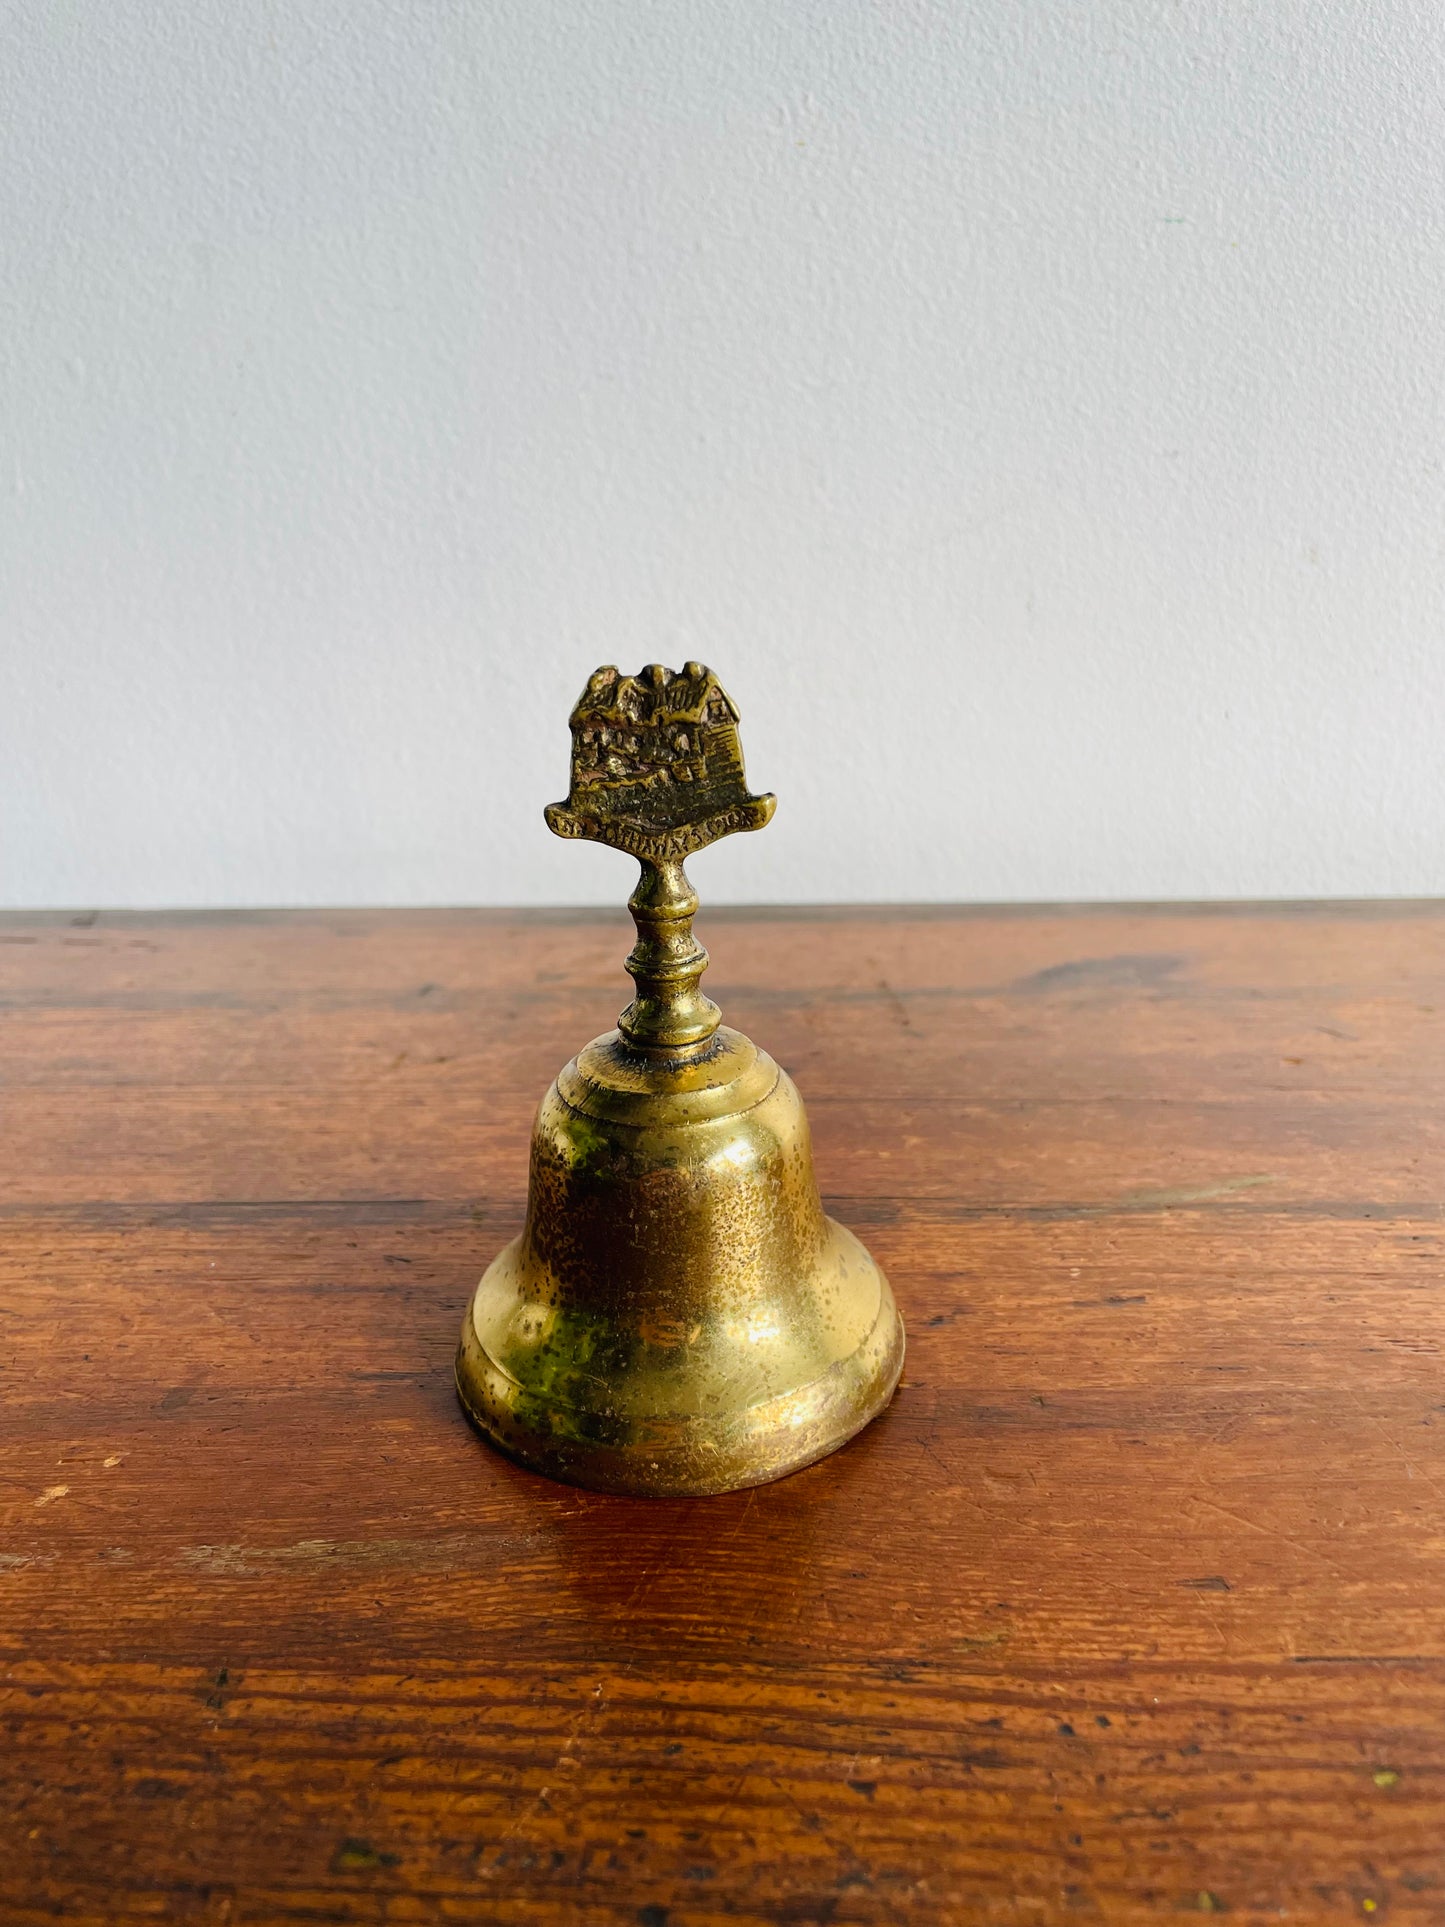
pixel 657 770
pixel 670 1010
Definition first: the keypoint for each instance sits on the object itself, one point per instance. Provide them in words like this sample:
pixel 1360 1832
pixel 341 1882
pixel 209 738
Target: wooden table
pixel 1133 1603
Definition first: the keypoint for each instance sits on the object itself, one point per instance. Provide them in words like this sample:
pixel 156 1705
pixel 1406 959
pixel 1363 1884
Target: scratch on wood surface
pixel 1268 1532
pixel 1195 1194
pixel 1412 1467
pixel 415 1555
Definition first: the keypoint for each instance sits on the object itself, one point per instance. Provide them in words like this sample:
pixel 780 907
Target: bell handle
pixel 670 1012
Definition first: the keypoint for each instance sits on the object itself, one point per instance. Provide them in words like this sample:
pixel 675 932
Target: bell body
pixel 678 1315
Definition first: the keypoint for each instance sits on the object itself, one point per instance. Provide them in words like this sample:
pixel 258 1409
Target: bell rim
pixel 709 1453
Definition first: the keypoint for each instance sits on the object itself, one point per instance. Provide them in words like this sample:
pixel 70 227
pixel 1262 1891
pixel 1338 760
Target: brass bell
pixel 678 1315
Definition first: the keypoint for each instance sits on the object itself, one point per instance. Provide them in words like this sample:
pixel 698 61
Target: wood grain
pixel 1133 1604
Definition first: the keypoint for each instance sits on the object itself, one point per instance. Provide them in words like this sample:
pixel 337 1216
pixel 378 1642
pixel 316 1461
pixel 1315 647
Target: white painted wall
pixel 1032 411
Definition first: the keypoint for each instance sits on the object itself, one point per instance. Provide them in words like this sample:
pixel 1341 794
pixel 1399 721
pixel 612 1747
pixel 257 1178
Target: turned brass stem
pixel 670 1011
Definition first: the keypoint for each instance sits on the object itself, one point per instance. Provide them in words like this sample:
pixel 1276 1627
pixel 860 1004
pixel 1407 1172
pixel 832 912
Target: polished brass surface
pixel 678 1314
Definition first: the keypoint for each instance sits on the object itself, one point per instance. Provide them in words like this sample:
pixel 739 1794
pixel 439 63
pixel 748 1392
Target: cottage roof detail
pixel 691 694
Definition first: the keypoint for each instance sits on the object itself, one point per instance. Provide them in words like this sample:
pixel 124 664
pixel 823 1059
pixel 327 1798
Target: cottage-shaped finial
pixel 657 768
